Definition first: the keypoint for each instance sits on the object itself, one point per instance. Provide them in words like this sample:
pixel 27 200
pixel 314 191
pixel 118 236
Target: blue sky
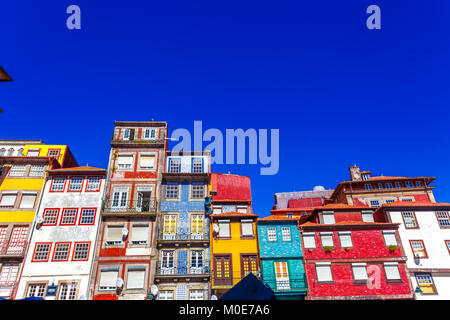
pixel 339 93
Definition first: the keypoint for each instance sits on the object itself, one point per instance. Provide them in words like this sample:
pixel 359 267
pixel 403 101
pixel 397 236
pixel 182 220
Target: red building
pixel 351 254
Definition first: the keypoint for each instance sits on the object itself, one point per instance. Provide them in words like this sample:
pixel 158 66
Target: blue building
pixel 281 257
pixel 182 271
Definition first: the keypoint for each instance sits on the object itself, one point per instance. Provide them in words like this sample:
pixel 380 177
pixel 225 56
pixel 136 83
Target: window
pixel 58 184
pixel 149 134
pixel 365 176
pixel 37 171
pixel 390 201
pixel 170 222
pixel 418 249
pixel 359 272
pixel 197 226
pixel 328 218
pixel 2 152
pixel 447 243
pixel 197 165
pixel 69 216
pixel 419 184
pixel 3 230
pixel 426 283
pixel 108 278
pixel 272 234
pixel 167 262
pixel 8 200
pixel 174 166
pixel 75 184
pixel 367 216
pixel 407 199
pixel 389 238
pixel 323 271
pixel 398 185
pixel 309 240
pixel 224 229
pixel 8 275
pixel 443 219
pixel 374 203
pixel 81 251
pixel 391 270
pixel 388 185
pixel 345 237
pixel 33 153
pixel 198 191
pixel 368 186
pixel 18 171
pixel 282 276
pixel 289 215
pixel 242 209
pixel 50 217
pixel 196 294
pixel 223 270
pixel 124 161
pixel 409 218
pixel 36 290
pixel 93 184
pixel 380 186
pixel 136 278
pixel 114 235
pixel 165 295
pixel 249 265
pixel 18 240
pixel 41 252
pixel 119 200
pixel 247 228
pixel 172 191
pixel 68 291
pixel 27 201
pixel 327 239
pixel 61 251
pixel 196 265
pixel 286 233
pixel 10 152
pixel 126 134
pixel 53 153
pixel 147 161
pixel 139 234
pixel 409 184
pixel 87 216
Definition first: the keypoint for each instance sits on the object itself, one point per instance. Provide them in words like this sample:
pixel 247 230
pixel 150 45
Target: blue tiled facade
pixel 288 252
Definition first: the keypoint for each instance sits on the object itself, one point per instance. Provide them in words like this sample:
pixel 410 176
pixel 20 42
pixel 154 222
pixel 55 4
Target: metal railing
pixel 288 284
pixel 13 249
pixel 183 236
pixel 135 206
pixel 135 139
pixel 185 270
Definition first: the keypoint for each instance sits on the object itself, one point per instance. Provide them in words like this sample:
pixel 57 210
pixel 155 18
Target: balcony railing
pixel 135 206
pixel 182 271
pixel 183 236
pixel 136 140
pixel 13 249
pixel 298 283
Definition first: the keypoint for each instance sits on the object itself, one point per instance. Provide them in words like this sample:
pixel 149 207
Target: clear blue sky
pixel 339 93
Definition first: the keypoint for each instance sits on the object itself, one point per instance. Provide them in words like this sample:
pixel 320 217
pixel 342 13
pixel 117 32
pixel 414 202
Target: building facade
pixel 425 233
pixel 126 248
pixel 62 243
pixel 15 148
pixel 183 268
pixel 281 257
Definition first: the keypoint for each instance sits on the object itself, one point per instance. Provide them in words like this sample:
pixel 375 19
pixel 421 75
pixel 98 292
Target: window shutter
pixel 367 217
pixel 392 272
pixel 346 239
pixel 389 238
pixel 139 233
pixel 359 271
pixel 327 239
pixel 136 278
pixel 224 229
pixel 115 233
pixel 125 160
pixel 247 228
pixel 147 161
pixel 324 272
pixel 328 218
pixel 8 200
pixel 309 240
pixel 28 201
pixel 108 278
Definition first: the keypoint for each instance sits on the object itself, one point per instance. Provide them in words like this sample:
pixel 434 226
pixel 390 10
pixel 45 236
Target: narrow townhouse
pixel 425 233
pixel 183 268
pixel 126 253
pixel 62 243
pixel 281 257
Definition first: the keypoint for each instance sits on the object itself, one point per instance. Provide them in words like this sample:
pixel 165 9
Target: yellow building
pixel 21 185
pixel 234 249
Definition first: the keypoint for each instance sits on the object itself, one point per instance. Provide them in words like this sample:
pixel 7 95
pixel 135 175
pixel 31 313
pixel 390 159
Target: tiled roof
pixel 292 210
pixel 340 206
pixel 415 204
pixel 346 223
pixel 231 188
pixel 85 168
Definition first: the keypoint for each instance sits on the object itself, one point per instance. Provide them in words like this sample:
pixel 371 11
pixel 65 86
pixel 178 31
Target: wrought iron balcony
pixel 183 236
pixel 12 249
pixel 182 271
pixel 119 207
pixel 134 140
pixel 298 283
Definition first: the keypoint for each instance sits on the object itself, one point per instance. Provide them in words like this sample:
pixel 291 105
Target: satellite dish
pixel 213 297
pixel 154 290
pixel 124 232
pixel 119 282
pixel 216 227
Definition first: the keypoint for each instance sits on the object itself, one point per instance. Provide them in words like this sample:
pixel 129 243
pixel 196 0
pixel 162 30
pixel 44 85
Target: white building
pixel 14 148
pixel 425 234
pixel 63 239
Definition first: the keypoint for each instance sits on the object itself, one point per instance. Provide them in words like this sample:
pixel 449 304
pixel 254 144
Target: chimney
pixel 355 173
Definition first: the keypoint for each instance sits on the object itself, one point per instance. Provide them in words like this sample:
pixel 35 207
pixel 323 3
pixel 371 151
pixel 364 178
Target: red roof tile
pixel 85 168
pixel 415 204
pixel 231 188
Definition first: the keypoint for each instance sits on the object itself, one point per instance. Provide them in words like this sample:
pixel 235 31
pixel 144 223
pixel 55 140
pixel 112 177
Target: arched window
pixel 20 152
pixel 2 152
pixel 10 152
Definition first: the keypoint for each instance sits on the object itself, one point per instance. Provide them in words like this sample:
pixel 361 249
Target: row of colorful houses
pixel 160 218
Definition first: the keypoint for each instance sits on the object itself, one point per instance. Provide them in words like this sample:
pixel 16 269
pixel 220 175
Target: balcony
pixel 281 285
pixel 134 141
pixel 129 208
pixel 10 249
pixel 185 272
pixel 199 238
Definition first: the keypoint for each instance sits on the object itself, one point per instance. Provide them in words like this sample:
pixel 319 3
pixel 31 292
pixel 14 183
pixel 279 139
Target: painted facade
pixel 15 148
pixel 425 234
pixel 281 257
pixel 183 268
pixel 126 251
pixel 59 262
